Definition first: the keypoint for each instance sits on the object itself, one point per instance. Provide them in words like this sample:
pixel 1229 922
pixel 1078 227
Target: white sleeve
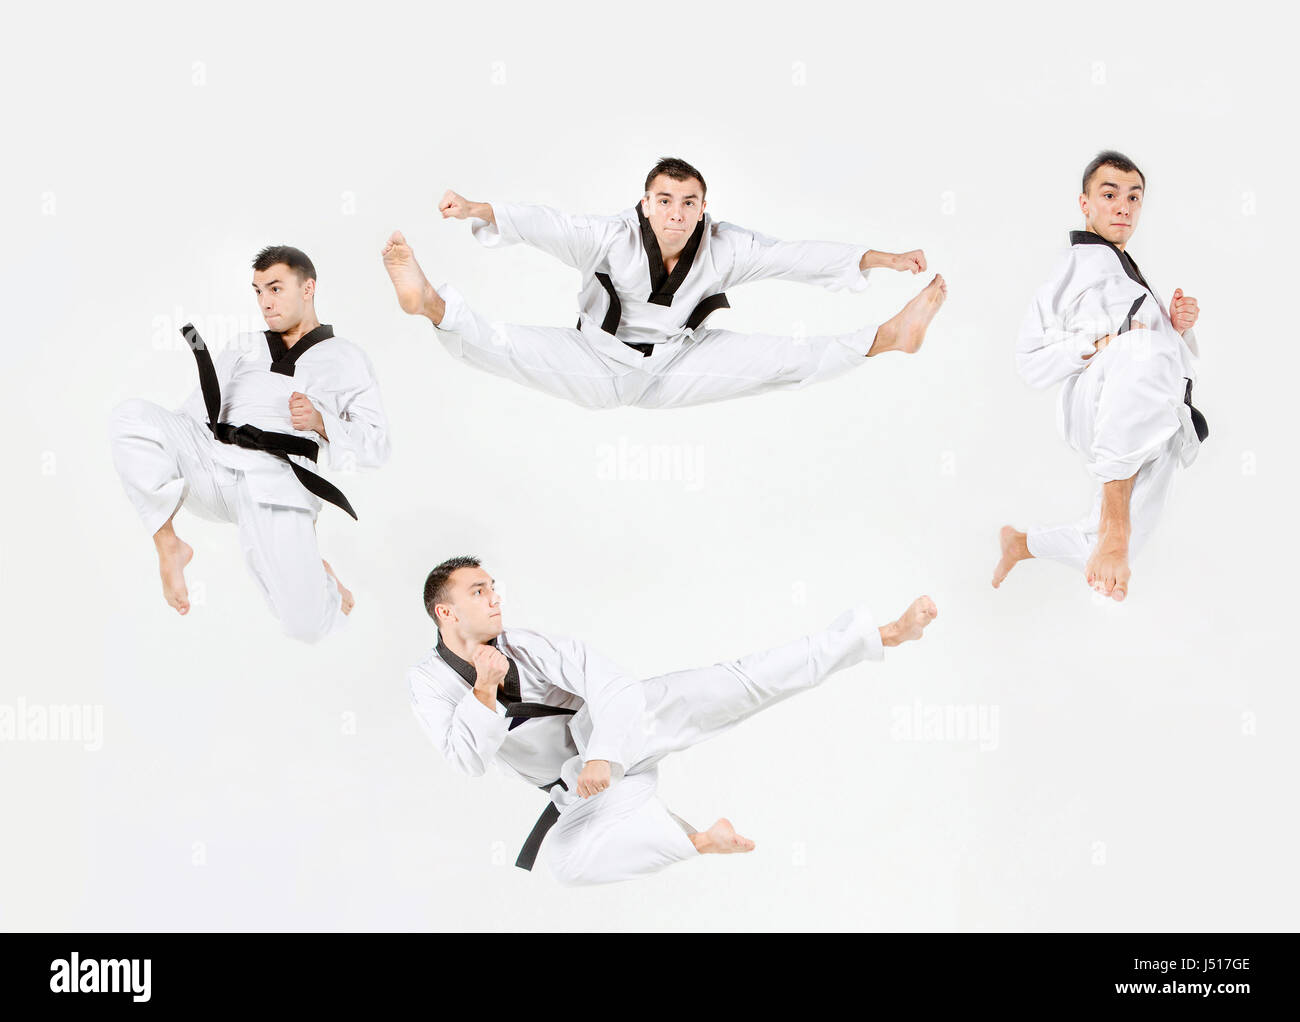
pixel 575 240
pixel 467 732
pixel 829 264
pixel 615 700
pixel 356 426
pixel 1059 333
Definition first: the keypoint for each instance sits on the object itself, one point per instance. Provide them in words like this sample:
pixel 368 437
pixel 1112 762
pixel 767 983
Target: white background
pixel 1144 766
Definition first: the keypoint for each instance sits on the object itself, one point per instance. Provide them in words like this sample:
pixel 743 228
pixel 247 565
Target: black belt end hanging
pixel 279 445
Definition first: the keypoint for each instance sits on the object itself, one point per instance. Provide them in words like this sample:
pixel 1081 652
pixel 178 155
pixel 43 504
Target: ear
pixel 309 288
pixel 1083 203
pixel 704 204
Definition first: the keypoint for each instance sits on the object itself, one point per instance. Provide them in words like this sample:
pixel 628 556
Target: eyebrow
pixel 669 195
pixel 267 284
pixel 1112 184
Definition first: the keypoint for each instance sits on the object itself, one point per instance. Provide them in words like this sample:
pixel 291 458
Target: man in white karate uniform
pixel 268 411
pixel 560 716
pixel 1126 363
pixel 651 277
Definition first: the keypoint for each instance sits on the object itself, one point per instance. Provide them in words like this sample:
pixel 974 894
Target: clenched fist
pixel 594 778
pixel 910 262
pixel 454 206
pixel 304 414
pixel 491 665
pixel 1183 311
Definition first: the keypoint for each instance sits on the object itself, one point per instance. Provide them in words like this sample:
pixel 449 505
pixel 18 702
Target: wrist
pixel 871 258
pixel 889 634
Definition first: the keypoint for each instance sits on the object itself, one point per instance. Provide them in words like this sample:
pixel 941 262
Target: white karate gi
pixel 689 364
pixel 1123 408
pixel 625 831
pixel 169 458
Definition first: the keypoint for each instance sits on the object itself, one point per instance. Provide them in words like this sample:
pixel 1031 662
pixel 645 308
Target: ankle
pixel 884 340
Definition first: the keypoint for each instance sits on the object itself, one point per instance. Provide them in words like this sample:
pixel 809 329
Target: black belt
pixel 1199 422
pixel 281 445
pixel 533 843
pixel 705 308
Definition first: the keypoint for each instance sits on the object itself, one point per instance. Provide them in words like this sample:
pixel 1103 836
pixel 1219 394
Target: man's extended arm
pixel 835 266
pixel 574 240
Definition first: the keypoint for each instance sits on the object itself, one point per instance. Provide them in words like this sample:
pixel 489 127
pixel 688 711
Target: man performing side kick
pixel 244 448
pixel 563 718
pixel 1126 365
pixel 651 277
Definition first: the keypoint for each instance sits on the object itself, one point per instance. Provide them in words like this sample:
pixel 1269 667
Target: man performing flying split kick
pixel 1126 365
pixel 651 277
pixel 559 715
pixel 244 447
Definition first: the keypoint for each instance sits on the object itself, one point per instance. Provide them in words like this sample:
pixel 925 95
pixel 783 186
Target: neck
pixel 458 644
pixel 306 325
pixel 1118 244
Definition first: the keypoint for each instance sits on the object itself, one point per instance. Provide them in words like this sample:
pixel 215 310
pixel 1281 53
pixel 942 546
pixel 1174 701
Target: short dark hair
pixel 435 586
pixel 294 258
pixel 678 170
pixel 1110 158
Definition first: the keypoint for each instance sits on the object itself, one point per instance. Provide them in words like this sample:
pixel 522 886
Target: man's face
pixel 1113 203
pixel 673 209
pixel 282 296
pixel 472 605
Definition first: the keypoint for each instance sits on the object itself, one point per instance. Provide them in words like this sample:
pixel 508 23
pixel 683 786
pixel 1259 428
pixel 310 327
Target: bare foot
pixel 344 591
pixel 912 622
pixel 1015 548
pixel 906 331
pixel 1107 570
pixel 721 839
pixel 173 554
pixel 414 292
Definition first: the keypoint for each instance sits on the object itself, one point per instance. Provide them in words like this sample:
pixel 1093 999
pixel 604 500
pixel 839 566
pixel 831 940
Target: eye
pixel 275 290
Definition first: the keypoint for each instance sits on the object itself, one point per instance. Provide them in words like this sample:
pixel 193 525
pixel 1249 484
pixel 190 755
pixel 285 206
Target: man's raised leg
pixel 555 360
pixel 721 364
pixel 162 460
pixel 1135 421
pixel 1107 570
pixel 688 707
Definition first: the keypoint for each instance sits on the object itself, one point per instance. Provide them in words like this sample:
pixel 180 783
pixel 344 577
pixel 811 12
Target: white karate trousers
pixel 165 461
pixel 596 370
pixel 626 831
pixel 1126 416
